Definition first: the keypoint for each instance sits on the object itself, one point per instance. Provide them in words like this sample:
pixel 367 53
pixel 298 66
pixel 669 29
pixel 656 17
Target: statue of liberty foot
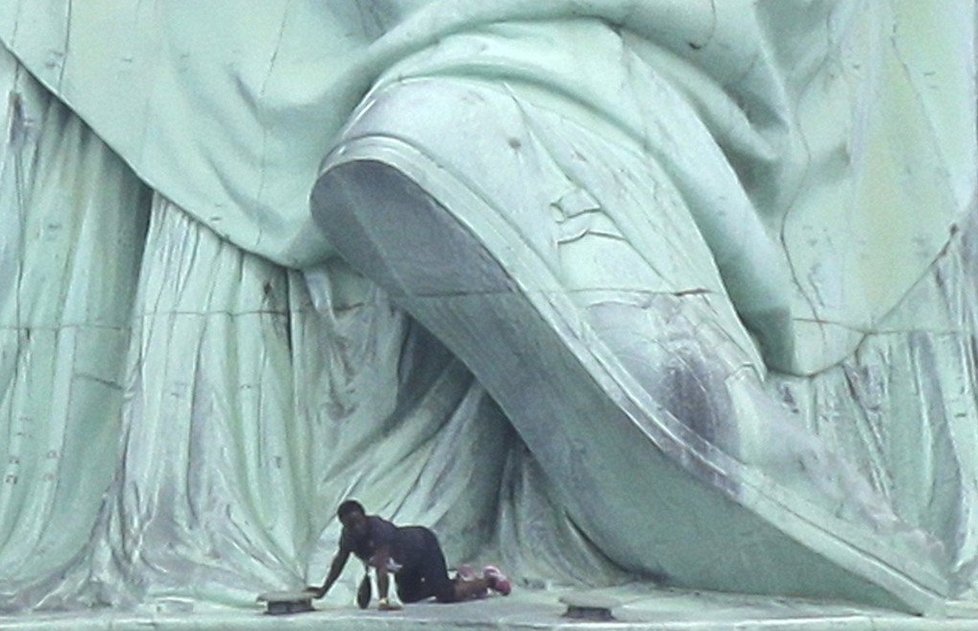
pixel 559 261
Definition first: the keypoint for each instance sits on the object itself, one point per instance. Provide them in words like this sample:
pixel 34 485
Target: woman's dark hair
pixel 350 506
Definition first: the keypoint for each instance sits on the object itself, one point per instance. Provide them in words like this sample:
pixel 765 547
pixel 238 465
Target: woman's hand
pixel 317 592
pixel 388 605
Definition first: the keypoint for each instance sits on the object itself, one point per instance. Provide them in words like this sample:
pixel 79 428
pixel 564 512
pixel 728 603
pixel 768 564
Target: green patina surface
pixel 730 250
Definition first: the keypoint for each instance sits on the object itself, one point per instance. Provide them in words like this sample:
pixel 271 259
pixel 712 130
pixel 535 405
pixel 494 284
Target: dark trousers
pixel 423 572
